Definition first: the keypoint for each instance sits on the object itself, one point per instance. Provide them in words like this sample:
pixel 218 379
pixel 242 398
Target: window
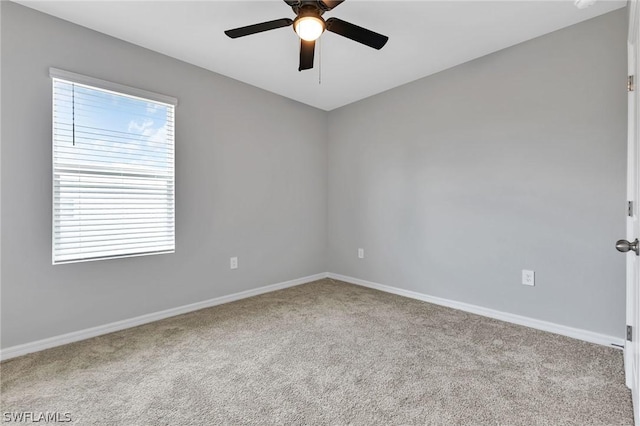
pixel 113 170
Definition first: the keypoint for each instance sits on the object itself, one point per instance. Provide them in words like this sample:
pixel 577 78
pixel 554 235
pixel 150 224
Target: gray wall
pixel 456 182
pixel 452 184
pixel 248 184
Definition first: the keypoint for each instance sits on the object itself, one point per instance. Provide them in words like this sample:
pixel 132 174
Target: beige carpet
pixel 324 353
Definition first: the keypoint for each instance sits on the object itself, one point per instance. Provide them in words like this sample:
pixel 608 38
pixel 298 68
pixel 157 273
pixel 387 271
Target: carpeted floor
pixel 324 353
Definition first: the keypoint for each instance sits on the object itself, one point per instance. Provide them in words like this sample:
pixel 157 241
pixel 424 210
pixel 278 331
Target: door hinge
pixel 630 86
pixel 629 333
pixel 630 208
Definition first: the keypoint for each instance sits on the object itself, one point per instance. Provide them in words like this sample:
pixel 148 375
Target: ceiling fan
pixel 309 26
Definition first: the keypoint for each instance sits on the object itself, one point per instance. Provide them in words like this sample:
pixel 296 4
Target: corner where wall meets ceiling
pixel 439 35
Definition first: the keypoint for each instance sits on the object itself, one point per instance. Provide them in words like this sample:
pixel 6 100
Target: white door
pixel 630 245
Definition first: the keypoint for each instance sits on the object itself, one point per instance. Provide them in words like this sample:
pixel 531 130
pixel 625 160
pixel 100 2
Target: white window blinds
pixel 113 170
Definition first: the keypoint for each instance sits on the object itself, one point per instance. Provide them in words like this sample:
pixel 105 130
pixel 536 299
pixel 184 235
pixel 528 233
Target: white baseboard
pixel 18 350
pixel 576 333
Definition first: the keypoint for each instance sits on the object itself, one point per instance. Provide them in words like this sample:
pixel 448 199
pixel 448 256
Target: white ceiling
pixel 424 37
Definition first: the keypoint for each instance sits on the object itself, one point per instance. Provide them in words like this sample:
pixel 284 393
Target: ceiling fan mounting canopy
pixel 319 6
pixel 309 25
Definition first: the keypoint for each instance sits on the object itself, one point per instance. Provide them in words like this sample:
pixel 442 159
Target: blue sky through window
pixel 108 129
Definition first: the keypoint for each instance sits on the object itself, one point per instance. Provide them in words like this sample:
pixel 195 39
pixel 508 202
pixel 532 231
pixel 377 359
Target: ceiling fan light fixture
pixel 309 28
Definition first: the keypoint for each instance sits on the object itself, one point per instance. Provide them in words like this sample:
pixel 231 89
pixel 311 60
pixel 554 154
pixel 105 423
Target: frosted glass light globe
pixel 309 28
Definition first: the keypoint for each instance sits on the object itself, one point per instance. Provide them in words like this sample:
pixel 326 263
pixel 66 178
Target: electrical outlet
pixel 233 263
pixel 528 277
pixel 360 253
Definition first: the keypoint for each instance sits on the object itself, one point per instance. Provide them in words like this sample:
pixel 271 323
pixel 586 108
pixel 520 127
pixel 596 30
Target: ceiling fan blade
pixel 307 51
pixel 258 28
pixel 293 2
pixel 329 4
pixel 356 33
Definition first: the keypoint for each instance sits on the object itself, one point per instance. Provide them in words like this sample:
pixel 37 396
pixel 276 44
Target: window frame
pixel 120 90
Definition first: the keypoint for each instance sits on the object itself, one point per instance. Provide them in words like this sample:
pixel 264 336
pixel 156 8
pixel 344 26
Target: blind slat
pixel 110 254
pixel 114 243
pixel 84 144
pixel 106 248
pixel 70 235
pixel 113 228
pixel 101 130
pixel 105 206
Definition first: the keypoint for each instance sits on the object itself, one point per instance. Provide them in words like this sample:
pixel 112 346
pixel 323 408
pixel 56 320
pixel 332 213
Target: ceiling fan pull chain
pixel 320 61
